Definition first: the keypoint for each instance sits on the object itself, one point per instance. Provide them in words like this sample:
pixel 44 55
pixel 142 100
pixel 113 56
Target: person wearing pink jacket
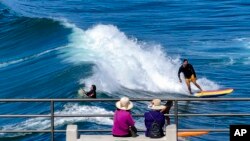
pixel 123 119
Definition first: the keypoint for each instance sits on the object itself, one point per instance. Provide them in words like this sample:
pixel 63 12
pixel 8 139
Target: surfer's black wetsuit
pixel 91 93
pixel 187 71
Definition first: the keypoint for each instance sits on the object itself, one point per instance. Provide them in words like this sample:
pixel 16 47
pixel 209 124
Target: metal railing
pixel 52 114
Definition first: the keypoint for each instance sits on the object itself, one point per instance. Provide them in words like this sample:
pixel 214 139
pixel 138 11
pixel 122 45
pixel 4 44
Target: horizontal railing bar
pixel 48 131
pixel 91 115
pixel 25 131
pixel 219 114
pixel 142 115
pixel 57 116
pixel 111 115
pixel 103 130
pixel 16 116
pixel 107 130
pixel 180 130
pixel 112 100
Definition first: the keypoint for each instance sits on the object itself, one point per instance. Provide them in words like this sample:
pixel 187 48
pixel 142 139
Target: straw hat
pixel 156 105
pixel 124 104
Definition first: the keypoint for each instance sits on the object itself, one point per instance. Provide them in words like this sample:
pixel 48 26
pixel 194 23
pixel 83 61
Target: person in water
pixel 92 92
pixel 189 74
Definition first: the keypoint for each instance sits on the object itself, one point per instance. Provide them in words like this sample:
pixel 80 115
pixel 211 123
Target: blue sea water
pixel 49 49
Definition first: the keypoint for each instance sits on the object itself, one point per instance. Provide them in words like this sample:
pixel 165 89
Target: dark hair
pixel 94 87
pixel 184 60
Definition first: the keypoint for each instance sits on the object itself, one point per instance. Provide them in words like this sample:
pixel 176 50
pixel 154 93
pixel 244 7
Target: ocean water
pixel 49 49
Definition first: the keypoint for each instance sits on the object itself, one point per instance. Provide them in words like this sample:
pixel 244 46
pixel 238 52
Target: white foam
pixel 239 39
pixel 5 64
pixel 244 41
pixel 206 84
pixel 123 62
pixel 231 61
pixel 69 109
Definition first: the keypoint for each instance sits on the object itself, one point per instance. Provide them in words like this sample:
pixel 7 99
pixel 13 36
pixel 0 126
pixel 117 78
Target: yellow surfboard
pixel 213 93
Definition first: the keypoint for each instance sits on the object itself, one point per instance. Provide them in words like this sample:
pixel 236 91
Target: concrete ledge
pixel 72 134
pixel 171 133
pixel 111 138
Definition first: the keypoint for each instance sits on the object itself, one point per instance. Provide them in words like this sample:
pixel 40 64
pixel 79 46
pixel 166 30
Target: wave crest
pixel 122 62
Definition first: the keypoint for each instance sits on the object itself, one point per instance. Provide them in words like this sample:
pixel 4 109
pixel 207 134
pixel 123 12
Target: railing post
pixel 176 115
pixel 52 119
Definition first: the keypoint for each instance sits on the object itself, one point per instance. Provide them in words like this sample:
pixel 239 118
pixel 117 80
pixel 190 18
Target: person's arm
pixel 131 122
pixel 192 69
pixel 163 110
pixel 92 94
pixel 83 91
pixel 89 93
pixel 179 72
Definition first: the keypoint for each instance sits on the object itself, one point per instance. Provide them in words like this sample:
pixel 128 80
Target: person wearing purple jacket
pixel 123 119
pixel 154 115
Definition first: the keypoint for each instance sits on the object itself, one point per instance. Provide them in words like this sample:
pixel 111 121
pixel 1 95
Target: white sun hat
pixel 124 104
pixel 156 105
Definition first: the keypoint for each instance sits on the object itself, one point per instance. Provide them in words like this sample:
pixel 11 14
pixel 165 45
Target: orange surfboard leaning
pixel 214 93
pixel 189 134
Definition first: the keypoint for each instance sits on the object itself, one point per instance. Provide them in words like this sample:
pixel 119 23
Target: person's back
pixel 122 118
pixel 154 119
pixel 156 116
pixel 122 121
